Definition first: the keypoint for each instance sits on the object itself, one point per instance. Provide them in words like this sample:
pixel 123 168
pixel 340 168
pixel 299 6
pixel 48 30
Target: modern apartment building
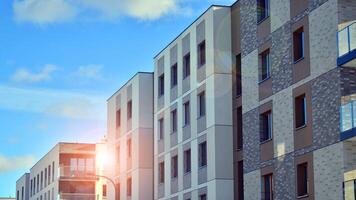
pixel 67 172
pixel 130 136
pixel 193 111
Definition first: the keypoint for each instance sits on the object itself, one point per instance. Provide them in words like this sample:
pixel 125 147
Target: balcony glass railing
pixel 348 116
pixel 347 39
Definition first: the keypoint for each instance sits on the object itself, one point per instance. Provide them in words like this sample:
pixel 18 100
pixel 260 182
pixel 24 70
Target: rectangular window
pixel 129 148
pixel 201 104
pixel 81 164
pixel 202 154
pixel 174 75
pixel 49 174
pixel 161 85
pixel 186 65
pixel 174 167
pixel 298 44
pixel 267 187
pixel 38 183
pixel 45 182
pixel 41 180
pixel 161 172
pixel 238 75
pixel 302 179
pixel 129 187
pixel 262 10
pixel 187 161
pixel 239 134
pixel 161 128
pixel 22 193
pixel 89 165
pixel 129 109
pixel 34 186
pixel 174 121
pixel 266 126
pixel 52 172
pixel 118 118
pixel 240 179
pixel 186 107
pixel 18 195
pixel 300 111
pixel 201 54
pixel 265 65
pixel 202 197
pixel 104 190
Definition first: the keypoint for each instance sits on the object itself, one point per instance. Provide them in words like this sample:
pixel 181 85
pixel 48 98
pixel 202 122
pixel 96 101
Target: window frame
pixel 186 109
pixel 174 167
pixel 201 104
pixel 161 85
pixel 118 118
pixel 303 113
pixel 266 126
pixel 129 110
pixel 161 129
pixel 262 12
pixel 186 65
pixel 201 53
pixel 174 75
pixel 298 44
pixel 267 184
pixel 203 159
pixel 174 121
pixel 187 161
pixel 302 188
pixel 265 64
pixel 161 173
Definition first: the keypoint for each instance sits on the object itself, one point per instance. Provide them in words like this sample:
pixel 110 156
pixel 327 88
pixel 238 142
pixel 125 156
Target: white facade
pixel 22 187
pixel 130 136
pixel 212 80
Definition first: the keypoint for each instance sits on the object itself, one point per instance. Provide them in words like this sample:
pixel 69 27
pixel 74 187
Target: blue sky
pixel 61 59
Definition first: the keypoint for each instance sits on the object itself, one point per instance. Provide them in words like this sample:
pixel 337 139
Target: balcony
pixel 69 196
pixel 346 39
pixel 79 173
pixel 348 120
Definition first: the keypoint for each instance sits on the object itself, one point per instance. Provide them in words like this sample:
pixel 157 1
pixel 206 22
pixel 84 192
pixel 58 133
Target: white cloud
pixel 15 163
pixel 23 75
pixel 43 11
pixel 53 102
pixel 50 11
pixel 90 71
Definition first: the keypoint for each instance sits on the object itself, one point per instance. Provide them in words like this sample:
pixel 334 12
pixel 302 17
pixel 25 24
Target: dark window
pixel 161 172
pixel 174 120
pixel 34 186
pixel 129 109
pixel 202 197
pixel 41 180
pixel 186 65
pixel 118 118
pixel 266 126
pixel 187 161
pixel 174 75
pixel 262 10
pixel 239 135
pixel 298 44
pixel 267 187
pixel 38 182
pixel 49 174
pixel 22 193
pixel 302 179
pixel 300 111
pixel 45 182
pixel 104 190
pixel 201 54
pixel 52 172
pixel 18 195
pixel 129 187
pixel 202 154
pixel 238 75
pixel 129 148
pixel 161 85
pixel 186 107
pixel 174 166
pixel 31 185
pixel 201 103
pixel 265 65
pixel 161 128
pixel 240 180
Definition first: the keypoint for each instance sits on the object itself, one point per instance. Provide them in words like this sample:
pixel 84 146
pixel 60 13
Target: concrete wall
pixel 23 187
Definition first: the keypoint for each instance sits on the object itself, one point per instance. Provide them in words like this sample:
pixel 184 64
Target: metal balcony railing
pixel 77 172
pixel 77 196
pixel 346 39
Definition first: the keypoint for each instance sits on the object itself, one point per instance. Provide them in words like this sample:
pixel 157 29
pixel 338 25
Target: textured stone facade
pixel 284 182
pixel 250 81
pixel 280 13
pixel 248 26
pixel 252 185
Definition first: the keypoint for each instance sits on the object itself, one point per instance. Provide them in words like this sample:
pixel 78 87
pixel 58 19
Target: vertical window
pixel 31 188
pixel 104 190
pixel 240 179
pixel 186 65
pixel 52 193
pixel 174 121
pixel 186 107
pixel 81 164
pixel 239 134
pixel 202 197
pixel 201 103
pixel 302 179
pixel 38 182
pixel 174 75
pixel 174 166
pixel 300 111
pixel 298 44
pixel 267 187
pixel 22 193
pixel 49 195
pixel 187 161
pixel 129 109
pixel 49 174
pixel 129 148
pixel 201 54
pixel 238 75
pixel 45 182
pixel 41 180
pixel 34 186
pixel 161 128
pixel 262 10
pixel 52 172
pixel 265 65
pixel 118 118
pixel 18 195
pixel 161 85
pixel 129 187
pixel 89 165
pixel 202 154
pixel 266 126
pixel 161 172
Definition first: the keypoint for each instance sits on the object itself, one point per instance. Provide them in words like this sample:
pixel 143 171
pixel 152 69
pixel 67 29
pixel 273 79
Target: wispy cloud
pixel 24 75
pixel 53 102
pixel 89 71
pixel 52 11
pixel 8 164
pixel 43 11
